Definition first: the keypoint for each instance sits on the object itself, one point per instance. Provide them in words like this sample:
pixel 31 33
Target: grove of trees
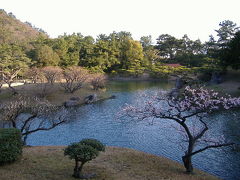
pixel 119 53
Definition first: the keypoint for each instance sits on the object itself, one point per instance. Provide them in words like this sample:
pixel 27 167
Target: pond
pixel 99 121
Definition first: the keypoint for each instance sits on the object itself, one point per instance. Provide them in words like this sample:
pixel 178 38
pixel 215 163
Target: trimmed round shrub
pixel 94 143
pixel 82 152
pixel 10 145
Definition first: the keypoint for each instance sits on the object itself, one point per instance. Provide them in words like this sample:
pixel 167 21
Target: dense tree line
pixel 119 53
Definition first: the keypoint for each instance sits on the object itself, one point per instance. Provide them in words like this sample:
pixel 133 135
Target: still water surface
pixel 99 121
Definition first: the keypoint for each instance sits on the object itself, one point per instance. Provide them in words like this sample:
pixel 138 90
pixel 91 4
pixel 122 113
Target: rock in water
pixel 179 83
pixel 90 99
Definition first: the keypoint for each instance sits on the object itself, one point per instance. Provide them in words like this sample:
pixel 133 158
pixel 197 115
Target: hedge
pixel 10 145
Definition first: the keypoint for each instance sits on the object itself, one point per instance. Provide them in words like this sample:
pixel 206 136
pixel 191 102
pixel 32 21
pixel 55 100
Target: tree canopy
pixel 230 55
pixel 117 52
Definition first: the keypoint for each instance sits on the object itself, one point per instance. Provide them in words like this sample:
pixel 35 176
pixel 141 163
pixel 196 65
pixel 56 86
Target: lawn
pixel 49 163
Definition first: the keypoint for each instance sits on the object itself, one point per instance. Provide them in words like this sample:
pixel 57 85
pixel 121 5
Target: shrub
pixel 94 143
pixel 10 145
pixel 83 151
pixel 161 72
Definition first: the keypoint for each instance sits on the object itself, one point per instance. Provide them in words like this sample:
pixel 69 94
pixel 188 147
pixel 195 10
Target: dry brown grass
pixel 48 163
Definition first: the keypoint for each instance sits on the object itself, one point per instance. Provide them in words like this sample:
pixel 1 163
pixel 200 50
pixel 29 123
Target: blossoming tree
pixel 191 107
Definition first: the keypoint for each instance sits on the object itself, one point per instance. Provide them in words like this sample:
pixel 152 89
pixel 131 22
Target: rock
pixel 90 99
pixel 216 78
pixel 73 101
pixel 70 103
pixel 179 83
pixel 112 97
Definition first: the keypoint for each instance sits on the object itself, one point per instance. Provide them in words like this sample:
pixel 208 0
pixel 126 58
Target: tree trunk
pixel 25 140
pixel 1 84
pixel 14 125
pixel 76 172
pixel 187 161
pixel 13 89
pixel 78 169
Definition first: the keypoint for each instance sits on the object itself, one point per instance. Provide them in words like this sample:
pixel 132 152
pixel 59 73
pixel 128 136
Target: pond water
pixel 99 121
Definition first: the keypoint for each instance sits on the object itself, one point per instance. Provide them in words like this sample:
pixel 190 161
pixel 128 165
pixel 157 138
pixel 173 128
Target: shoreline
pixel 141 78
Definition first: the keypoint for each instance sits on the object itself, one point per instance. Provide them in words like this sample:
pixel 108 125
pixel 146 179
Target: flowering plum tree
pixel 192 106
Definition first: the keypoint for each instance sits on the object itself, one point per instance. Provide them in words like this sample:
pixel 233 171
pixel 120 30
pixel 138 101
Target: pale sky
pixel 196 18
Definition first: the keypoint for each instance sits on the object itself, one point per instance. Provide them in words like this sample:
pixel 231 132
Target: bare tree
pixel 42 90
pixel 192 106
pixel 39 77
pixel 98 81
pixel 31 115
pixel 74 78
pixel 35 74
pixel 52 73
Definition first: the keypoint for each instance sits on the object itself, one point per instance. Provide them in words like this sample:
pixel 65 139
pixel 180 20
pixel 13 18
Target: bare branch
pixel 210 146
pixel 74 78
pixel 37 115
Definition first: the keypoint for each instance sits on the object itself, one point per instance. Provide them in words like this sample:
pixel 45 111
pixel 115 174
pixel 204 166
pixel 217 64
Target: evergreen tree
pixel 230 56
pixel 45 56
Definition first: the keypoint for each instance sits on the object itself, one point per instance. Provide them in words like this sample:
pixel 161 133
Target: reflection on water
pixel 136 85
pixel 99 121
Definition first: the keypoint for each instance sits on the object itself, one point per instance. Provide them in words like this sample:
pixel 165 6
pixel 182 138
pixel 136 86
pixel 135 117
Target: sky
pixel 196 18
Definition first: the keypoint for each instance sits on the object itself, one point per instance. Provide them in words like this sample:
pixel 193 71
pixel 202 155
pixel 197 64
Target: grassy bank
pixel 230 85
pixel 48 163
